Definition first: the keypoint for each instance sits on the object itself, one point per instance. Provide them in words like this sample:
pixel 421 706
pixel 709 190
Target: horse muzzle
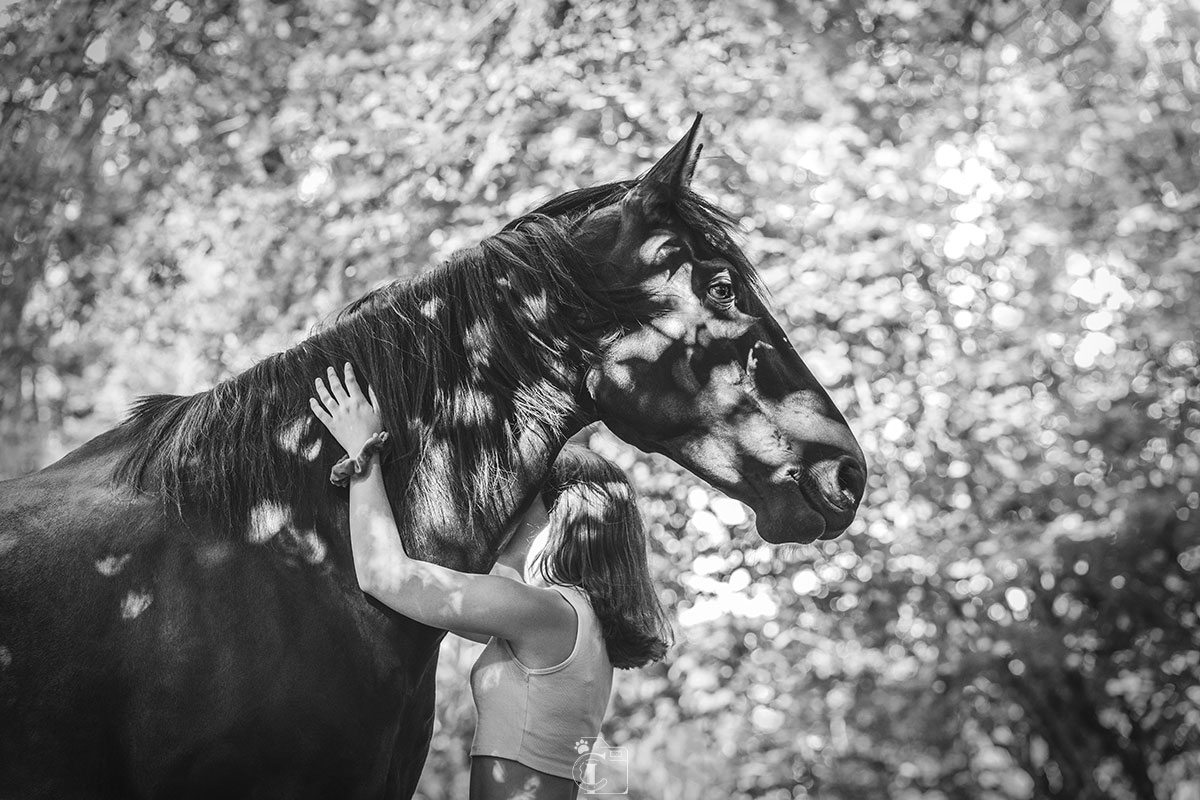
pixel 833 488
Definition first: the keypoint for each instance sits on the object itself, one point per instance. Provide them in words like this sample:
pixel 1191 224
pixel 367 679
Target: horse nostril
pixel 851 480
pixel 839 482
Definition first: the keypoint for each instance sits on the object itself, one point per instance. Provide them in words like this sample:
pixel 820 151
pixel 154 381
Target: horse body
pixel 179 614
pixel 144 656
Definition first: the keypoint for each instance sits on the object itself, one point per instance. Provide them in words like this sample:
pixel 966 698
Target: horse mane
pixel 463 359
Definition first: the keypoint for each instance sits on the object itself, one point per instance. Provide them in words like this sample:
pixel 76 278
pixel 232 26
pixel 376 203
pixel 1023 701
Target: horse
pixel 179 616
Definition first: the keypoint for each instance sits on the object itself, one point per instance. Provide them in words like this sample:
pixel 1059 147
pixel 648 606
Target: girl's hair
pixel 598 543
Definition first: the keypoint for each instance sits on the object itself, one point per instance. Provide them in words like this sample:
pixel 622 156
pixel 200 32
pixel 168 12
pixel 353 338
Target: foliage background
pixel 979 222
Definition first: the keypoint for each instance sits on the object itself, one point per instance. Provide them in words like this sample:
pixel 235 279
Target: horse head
pixel 708 377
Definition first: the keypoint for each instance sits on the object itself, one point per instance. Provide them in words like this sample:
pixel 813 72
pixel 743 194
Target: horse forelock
pixel 710 225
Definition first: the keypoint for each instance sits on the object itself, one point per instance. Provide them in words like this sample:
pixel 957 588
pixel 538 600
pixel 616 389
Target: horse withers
pixel 179 615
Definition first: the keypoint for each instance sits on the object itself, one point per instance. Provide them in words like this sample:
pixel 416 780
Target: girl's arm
pixel 483 638
pixel 487 605
pixel 438 596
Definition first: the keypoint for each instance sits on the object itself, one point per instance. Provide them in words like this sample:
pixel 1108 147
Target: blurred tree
pixel 56 90
pixel 91 146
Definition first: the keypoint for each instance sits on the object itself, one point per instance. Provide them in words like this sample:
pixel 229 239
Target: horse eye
pixel 721 291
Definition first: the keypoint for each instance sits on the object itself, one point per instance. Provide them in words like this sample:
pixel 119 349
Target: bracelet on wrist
pixel 347 467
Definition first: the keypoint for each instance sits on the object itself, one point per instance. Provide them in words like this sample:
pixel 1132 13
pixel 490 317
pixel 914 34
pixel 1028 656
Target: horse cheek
pixel 638 401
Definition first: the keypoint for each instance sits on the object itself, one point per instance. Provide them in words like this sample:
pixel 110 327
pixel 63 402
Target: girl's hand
pixel 348 414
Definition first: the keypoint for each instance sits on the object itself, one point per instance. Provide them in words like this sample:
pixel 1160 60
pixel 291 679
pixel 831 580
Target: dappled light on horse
pixel 224 647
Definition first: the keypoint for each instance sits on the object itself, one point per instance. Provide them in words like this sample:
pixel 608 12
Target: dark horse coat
pixel 179 615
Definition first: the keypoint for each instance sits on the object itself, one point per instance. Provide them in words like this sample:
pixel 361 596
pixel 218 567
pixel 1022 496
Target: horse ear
pixel 657 190
pixel 674 170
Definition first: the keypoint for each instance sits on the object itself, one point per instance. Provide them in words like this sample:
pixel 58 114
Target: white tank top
pixel 539 717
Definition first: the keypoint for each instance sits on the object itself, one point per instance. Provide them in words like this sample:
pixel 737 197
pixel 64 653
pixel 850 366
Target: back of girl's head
pixel 598 542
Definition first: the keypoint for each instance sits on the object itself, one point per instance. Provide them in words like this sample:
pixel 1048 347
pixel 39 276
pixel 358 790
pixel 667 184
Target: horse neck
pixel 477 416
pixel 437 525
pixel 479 372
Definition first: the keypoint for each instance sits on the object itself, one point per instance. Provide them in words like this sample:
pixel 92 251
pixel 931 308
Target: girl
pixel 569 599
